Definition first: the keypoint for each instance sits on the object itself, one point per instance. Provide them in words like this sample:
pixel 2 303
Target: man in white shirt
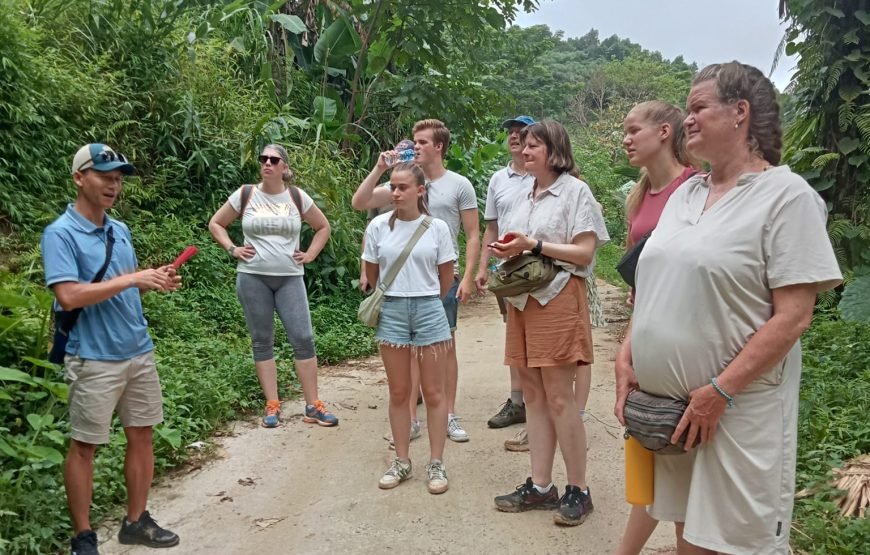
pixel 451 198
pixel 504 185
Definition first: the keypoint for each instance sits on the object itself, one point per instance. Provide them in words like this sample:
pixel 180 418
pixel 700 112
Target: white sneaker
pixel 398 472
pixel 416 429
pixel 519 442
pixel 416 432
pixel 454 429
pixel 436 477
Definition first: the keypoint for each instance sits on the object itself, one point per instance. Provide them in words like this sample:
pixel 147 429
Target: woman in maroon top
pixel 654 140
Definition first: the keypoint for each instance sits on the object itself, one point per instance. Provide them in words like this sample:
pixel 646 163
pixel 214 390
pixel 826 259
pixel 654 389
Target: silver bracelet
pixel 715 383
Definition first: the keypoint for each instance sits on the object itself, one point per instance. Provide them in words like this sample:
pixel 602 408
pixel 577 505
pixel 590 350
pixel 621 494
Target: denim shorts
pixel 413 321
pixel 451 304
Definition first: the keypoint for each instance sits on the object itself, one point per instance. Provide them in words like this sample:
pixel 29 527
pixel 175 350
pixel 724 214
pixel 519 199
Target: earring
pixel 736 124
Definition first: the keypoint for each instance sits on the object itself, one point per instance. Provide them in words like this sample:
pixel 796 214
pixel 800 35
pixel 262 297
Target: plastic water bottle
pixel 400 157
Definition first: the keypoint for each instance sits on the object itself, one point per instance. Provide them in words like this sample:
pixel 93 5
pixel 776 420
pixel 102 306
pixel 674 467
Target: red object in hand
pixel 185 255
pixel 508 237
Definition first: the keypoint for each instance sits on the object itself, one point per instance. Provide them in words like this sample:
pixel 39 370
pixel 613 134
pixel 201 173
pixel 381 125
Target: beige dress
pixel 704 288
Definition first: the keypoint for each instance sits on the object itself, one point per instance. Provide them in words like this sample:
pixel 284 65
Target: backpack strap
pixel 247 190
pixel 297 199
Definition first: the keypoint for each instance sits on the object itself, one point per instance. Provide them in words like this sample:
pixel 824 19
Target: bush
pixel 832 428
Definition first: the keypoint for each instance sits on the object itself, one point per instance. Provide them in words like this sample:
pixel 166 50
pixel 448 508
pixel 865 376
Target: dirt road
pixel 305 489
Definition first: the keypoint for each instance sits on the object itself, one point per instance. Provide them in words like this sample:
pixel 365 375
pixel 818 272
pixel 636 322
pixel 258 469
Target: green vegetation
pixel 191 90
pixel 835 402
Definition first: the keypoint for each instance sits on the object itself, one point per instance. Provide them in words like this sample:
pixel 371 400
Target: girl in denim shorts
pixel 413 323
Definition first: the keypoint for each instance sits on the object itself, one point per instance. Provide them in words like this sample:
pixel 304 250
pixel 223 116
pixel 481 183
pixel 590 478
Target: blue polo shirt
pixel 74 249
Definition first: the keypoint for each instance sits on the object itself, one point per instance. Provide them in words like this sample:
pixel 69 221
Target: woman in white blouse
pixel 549 334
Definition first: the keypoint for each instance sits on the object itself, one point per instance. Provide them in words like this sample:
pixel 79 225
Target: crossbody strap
pixel 397 266
pixel 101 273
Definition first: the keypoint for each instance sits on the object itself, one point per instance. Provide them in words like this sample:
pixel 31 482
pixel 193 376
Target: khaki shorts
pixel 98 387
pixel 559 334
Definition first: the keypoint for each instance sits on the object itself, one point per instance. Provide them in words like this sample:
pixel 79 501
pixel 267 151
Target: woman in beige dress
pixel 726 284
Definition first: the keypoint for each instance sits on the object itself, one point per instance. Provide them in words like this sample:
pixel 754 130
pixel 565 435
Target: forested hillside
pixel 190 90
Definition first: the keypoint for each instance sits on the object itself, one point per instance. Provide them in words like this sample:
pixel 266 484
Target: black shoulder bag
pixel 627 266
pixel 65 320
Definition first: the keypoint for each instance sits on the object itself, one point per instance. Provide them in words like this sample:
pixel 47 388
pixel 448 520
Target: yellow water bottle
pixel 639 472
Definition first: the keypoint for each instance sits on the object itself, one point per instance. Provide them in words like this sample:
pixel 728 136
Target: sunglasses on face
pixel 272 159
pixel 103 157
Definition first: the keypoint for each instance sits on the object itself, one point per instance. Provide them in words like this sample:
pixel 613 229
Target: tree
pixel 828 141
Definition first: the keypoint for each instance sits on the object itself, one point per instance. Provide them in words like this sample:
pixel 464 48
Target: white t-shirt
pixel 419 275
pixel 448 196
pixel 503 186
pixel 271 224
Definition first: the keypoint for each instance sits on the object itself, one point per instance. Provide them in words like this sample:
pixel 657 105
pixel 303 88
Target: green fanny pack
pixel 522 274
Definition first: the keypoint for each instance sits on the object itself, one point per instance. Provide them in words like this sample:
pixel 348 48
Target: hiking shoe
pixel 574 507
pixel 509 413
pixel 527 498
pixel 146 532
pixel 454 430
pixel 273 414
pixel 85 543
pixel 436 477
pixel 317 414
pixel 519 442
pixel 398 472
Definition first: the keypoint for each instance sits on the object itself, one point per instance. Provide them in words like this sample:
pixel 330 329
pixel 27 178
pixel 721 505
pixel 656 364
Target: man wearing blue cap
pixel 504 185
pixel 109 357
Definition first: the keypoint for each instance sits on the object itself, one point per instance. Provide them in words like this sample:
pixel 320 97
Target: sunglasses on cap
pixel 273 159
pixel 104 157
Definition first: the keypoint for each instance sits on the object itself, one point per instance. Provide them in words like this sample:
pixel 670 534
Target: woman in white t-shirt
pixel 413 323
pixel 270 275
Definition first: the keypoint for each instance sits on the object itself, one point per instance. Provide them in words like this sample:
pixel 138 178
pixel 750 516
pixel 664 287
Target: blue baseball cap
pixel 522 120
pixel 101 158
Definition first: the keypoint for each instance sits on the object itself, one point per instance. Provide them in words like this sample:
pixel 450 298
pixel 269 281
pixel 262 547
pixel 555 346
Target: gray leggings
pixel 261 296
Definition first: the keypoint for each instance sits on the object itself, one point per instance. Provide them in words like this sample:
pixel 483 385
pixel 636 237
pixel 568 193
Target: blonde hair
pixel 736 81
pixel 656 112
pixel 420 179
pixel 440 133
pixel 560 159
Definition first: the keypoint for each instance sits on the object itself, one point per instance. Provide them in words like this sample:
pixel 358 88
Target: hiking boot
pixel 509 413
pixel 85 543
pixel 273 414
pixel 146 532
pixel 454 430
pixel 519 442
pixel 527 498
pixel 436 477
pixel 317 414
pixel 398 472
pixel 574 507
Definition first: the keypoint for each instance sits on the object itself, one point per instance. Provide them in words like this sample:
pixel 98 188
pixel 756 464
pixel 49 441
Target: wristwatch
pixel 538 248
pixel 230 249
